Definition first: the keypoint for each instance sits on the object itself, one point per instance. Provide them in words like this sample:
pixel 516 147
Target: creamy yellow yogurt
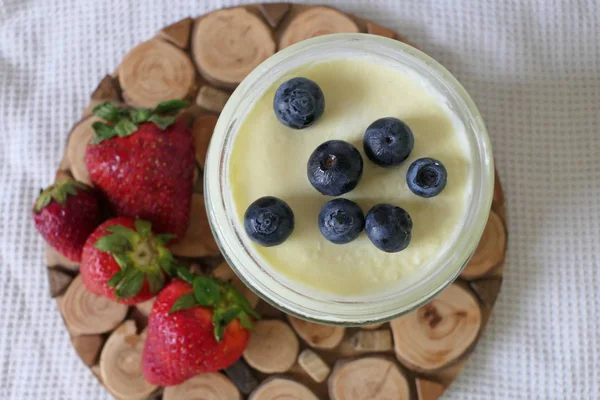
pixel 269 159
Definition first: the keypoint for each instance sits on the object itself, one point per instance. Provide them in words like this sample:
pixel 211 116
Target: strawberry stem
pixel 58 192
pixel 140 255
pixel 123 122
pixel 227 302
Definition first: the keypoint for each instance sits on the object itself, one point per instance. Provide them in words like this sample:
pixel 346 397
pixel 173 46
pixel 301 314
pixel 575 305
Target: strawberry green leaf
pixel 60 196
pixel 221 318
pixel 242 302
pixel 218 330
pixel 113 243
pixel 206 291
pixel 123 260
pixel 162 122
pixel 185 275
pixel 59 192
pixel 229 315
pixel 78 185
pixel 170 107
pixel 123 112
pixel 121 230
pixel 125 128
pixel 164 238
pixel 245 321
pixel 107 111
pixel 139 115
pixel 70 189
pixel 144 228
pixel 156 281
pixel 43 201
pixel 184 302
pixel 103 132
pixel 116 278
pixel 168 265
pixel 131 284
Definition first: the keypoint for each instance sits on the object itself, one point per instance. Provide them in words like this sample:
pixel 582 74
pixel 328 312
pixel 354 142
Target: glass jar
pixel 297 299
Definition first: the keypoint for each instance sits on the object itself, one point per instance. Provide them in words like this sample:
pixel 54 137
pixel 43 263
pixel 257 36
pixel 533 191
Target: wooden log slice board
pixel 416 356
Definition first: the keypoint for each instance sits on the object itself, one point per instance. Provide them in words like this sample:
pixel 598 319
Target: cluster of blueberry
pixel 335 168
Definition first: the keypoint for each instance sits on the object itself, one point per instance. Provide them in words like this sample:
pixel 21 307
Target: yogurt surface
pixel 269 159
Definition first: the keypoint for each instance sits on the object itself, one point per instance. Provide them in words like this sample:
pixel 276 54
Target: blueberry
pixel 335 167
pixel 388 141
pixel 388 227
pixel 341 221
pixel 298 103
pixel 426 177
pixel 269 221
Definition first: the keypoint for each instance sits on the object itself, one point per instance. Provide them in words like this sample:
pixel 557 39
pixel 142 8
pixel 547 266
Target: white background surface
pixel 533 68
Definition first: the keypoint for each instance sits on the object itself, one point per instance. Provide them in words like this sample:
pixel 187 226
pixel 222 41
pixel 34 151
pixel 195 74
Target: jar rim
pixel 290 296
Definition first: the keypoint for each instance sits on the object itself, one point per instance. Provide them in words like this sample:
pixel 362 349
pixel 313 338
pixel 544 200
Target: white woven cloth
pixel 533 68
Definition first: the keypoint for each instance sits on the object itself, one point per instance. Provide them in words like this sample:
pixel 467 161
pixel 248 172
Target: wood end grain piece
pixel 490 251
pixel 156 71
pixel 79 138
pixel 273 347
pixel 178 33
pixel 213 386
pixel 318 336
pixel 373 341
pixel 359 379
pixel 87 314
pixel 121 363
pixel 440 332
pixel 212 99
pixel 316 21
pixel 282 388
pixel 314 365
pixel 228 44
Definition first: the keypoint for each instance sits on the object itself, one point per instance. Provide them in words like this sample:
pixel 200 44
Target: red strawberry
pixel 143 161
pixel 202 325
pixel 65 214
pixel 124 261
